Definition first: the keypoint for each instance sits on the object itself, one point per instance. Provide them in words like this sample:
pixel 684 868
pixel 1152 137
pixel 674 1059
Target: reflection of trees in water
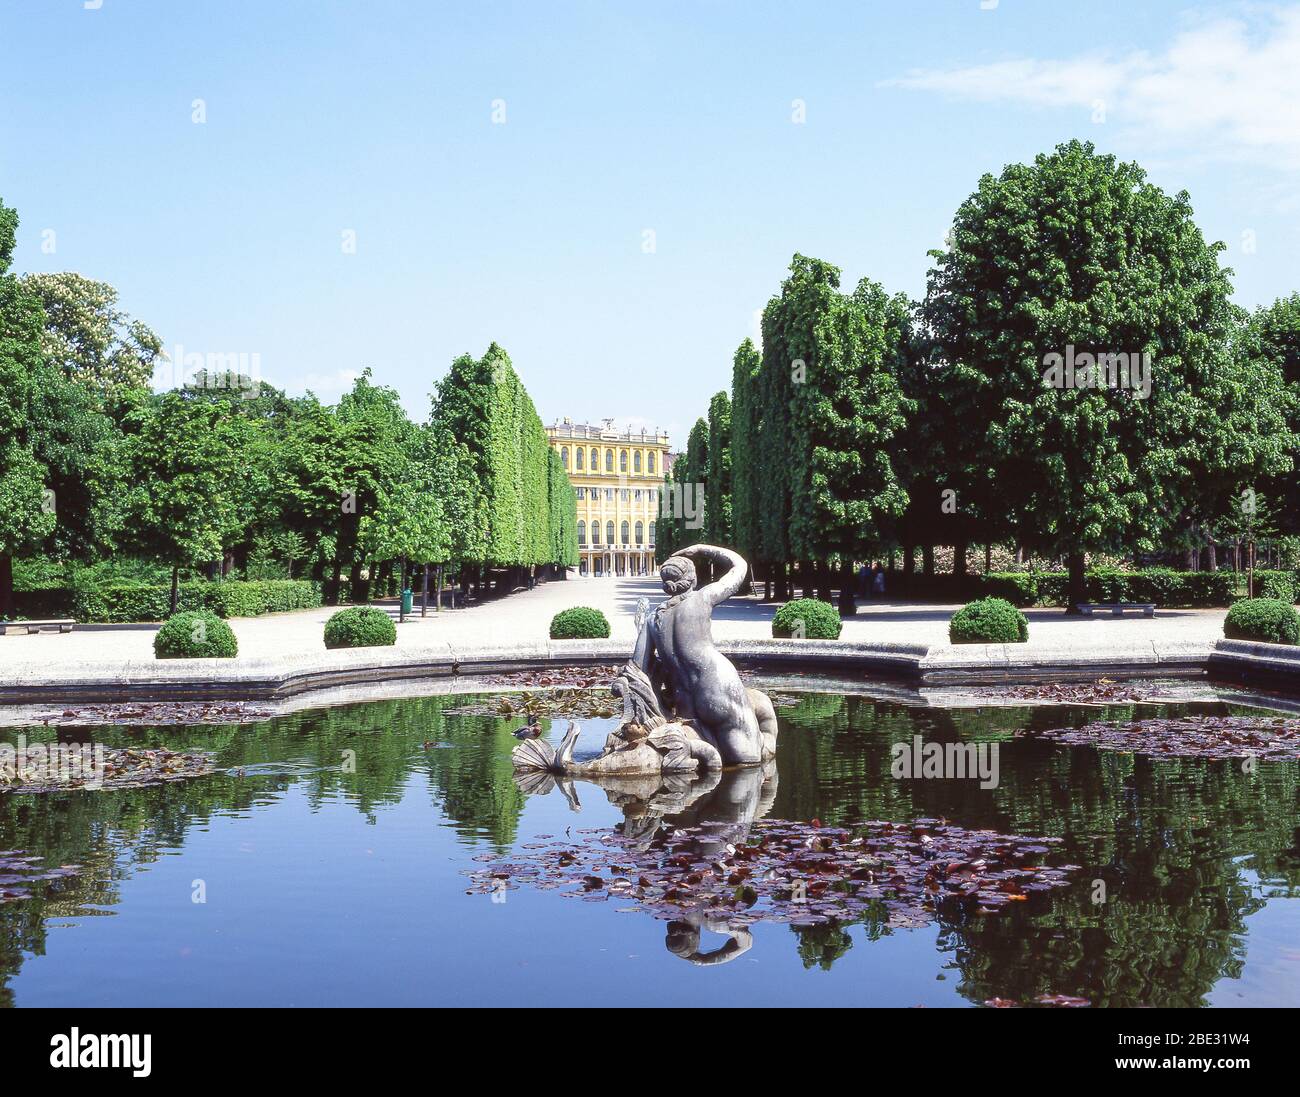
pixel 1173 840
pixel 110 834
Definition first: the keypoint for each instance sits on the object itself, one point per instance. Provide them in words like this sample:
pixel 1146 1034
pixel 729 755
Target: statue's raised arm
pixel 729 582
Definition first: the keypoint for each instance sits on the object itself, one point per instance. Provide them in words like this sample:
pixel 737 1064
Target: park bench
pixel 63 624
pixel 1116 608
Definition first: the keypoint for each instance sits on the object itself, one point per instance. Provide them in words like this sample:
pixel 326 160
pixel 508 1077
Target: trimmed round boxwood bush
pixel 806 619
pixel 360 627
pixel 1269 620
pixel 579 623
pixel 988 621
pixel 195 634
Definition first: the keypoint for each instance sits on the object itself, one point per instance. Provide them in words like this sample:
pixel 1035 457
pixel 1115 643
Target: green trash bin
pixel 408 600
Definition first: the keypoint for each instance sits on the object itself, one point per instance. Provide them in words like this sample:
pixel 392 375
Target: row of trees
pixel 869 423
pixel 228 472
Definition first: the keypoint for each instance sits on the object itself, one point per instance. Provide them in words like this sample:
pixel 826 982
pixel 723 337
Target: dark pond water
pixel 329 887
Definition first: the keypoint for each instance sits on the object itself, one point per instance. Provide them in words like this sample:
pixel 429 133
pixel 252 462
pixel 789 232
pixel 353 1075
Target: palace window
pixel 640 531
pixel 582 531
pixel 609 460
pixel 652 533
pixel 649 462
pixel 582 492
pixel 636 461
pixel 625 534
pixel 564 456
pixel 622 461
pixel 595 533
pixel 609 532
pixel 623 494
pixel 577 453
pixel 595 463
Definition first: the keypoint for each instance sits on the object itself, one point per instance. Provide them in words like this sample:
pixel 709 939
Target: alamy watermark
pixel 27 763
pixel 1110 370
pixel 955 761
pixel 236 371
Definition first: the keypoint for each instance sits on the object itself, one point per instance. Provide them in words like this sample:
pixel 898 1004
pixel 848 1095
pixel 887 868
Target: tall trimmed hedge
pixel 528 517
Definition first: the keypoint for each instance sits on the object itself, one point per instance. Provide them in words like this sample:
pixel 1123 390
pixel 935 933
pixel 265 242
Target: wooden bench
pixel 63 624
pixel 1116 608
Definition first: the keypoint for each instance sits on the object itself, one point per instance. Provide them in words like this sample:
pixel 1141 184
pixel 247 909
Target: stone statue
pixel 685 708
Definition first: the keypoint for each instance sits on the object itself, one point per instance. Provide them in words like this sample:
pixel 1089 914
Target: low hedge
pixel 195 634
pixel 579 623
pixel 988 621
pixel 360 627
pixel 1276 584
pixel 125 602
pixel 807 619
pixel 1163 586
pixel 1269 620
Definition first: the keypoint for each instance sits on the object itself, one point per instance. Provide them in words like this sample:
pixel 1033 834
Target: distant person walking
pixel 877 580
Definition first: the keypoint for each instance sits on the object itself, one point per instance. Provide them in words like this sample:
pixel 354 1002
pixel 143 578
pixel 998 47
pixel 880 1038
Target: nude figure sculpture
pixel 684 705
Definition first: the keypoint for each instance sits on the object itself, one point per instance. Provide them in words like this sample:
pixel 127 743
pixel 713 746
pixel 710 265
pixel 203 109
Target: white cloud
pixel 1228 88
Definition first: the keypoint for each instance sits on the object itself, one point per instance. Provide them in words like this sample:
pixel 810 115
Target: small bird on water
pixel 531 730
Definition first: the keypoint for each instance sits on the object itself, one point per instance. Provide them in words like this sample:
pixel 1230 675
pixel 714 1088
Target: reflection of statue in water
pixel 718 808
pixel 685 708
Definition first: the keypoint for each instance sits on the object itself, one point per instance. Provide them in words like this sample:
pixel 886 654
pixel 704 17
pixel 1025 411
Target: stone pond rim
pixel 1271 666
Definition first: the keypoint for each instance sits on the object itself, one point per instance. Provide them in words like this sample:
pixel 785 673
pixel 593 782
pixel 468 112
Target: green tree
pixel 745 484
pixel 848 408
pixel 1077 252
pixel 89 337
pixel 695 481
pixel 186 458
pixel 1272 341
pixel 25 517
pixel 718 479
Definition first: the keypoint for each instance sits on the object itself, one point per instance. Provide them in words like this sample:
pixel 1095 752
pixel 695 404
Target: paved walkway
pixel 526 617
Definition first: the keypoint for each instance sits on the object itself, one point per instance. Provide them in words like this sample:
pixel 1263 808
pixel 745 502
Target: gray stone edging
pixel 919 664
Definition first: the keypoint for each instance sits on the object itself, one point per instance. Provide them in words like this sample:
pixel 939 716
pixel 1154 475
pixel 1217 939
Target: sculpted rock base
pixel 632 750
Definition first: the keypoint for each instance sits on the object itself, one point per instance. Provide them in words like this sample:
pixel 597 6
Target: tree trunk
pixel 1077 590
pixel 1212 553
pixel 909 560
pixel 927 561
pixel 1191 558
pixel 424 592
pixel 824 581
pixel 848 604
pixel 6 585
pixel 988 558
pixel 959 559
pixel 176 587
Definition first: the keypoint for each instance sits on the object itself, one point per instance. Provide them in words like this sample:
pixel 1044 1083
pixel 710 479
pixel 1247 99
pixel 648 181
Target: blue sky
pixel 377 118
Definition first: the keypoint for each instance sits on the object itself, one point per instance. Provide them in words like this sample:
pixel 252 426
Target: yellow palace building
pixel 617 477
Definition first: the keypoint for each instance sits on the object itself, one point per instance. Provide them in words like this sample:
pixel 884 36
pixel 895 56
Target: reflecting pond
pixel 326 863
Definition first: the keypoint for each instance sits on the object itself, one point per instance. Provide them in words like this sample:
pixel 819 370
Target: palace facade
pixel 617 477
